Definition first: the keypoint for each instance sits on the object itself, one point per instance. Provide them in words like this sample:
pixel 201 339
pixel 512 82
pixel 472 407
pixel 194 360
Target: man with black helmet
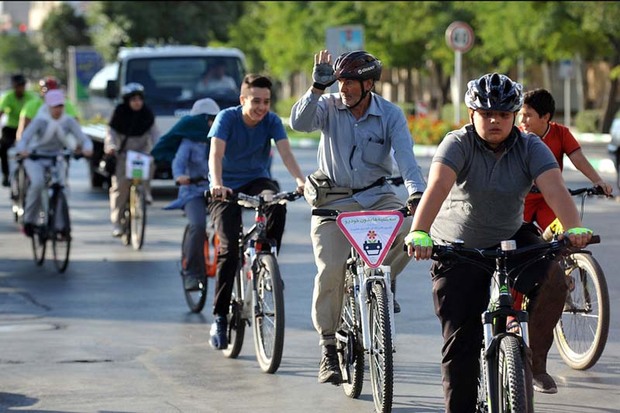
pixel 359 131
pixel 11 103
pixel 478 180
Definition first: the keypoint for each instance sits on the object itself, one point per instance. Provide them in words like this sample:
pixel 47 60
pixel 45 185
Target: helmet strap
pixel 364 94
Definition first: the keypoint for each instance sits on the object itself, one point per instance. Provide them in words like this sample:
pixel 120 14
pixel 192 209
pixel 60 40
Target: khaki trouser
pixel 120 186
pixel 331 250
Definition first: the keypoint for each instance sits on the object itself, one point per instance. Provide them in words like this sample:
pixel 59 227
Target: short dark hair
pixel 541 101
pixel 255 80
pixel 18 79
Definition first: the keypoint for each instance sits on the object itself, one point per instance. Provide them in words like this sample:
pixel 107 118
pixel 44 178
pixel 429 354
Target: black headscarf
pixel 129 122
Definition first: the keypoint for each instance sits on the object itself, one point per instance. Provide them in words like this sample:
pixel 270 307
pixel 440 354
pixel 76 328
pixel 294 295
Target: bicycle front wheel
pixel 61 241
pixel 236 320
pixel 581 333
pixel 195 298
pixel 137 209
pixel 512 395
pixel 268 322
pixel 349 343
pixel 39 240
pixel 381 350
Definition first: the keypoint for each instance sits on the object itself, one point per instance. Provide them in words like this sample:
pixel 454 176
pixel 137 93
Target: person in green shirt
pixel 31 108
pixel 11 104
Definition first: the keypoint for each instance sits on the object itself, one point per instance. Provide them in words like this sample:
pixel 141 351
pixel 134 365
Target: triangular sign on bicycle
pixel 371 233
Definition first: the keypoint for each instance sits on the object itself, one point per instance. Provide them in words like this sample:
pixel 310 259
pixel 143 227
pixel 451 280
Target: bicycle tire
pixel 61 234
pixel 349 343
pixel 39 241
pixel 19 194
pixel 269 313
pixel 581 333
pixel 381 352
pixel 236 320
pixel 196 298
pixel 137 208
pixel 482 403
pixel 512 395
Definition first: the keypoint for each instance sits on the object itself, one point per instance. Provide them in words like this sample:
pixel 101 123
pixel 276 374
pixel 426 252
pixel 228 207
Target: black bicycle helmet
pixel 494 92
pixel 132 89
pixel 358 64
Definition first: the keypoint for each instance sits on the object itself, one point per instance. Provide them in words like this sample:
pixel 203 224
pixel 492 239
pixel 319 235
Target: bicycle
pixel 505 383
pixel 581 334
pixel 367 317
pixel 258 289
pixel 133 214
pixel 53 223
pixel 196 298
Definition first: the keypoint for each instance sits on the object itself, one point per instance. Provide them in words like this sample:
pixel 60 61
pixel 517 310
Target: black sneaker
pixel 5 182
pixel 544 383
pixel 329 369
pixel 396 306
pixel 219 340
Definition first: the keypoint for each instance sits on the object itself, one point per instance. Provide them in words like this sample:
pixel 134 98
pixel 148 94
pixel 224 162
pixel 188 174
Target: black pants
pixel 6 142
pixel 461 294
pixel 227 217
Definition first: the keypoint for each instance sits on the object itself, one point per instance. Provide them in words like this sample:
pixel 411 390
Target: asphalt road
pixel 113 333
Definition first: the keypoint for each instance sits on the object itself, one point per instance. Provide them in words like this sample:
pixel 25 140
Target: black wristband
pixel 319 86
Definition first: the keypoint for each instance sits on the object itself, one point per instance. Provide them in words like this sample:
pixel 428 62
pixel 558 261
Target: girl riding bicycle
pixel 189 164
pixel 478 180
pixel 47 133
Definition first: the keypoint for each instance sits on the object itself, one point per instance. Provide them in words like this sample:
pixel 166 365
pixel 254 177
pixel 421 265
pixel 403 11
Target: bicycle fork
pixel 367 277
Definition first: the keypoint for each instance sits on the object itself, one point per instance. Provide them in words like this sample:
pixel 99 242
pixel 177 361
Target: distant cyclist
pixel 188 141
pixel 132 127
pixel 48 133
pixel 11 103
pixel 31 108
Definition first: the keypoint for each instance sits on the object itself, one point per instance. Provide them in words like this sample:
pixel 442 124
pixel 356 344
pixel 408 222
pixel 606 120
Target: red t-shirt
pixel 561 142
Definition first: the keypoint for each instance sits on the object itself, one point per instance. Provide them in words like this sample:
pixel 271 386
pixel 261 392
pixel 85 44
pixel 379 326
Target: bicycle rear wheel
pixel 268 321
pixel 61 230
pixel 581 334
pixel 195 299
pixel 137 207
pixel 381 350
pixel 512 395
pixel 350 347
pixel 236 320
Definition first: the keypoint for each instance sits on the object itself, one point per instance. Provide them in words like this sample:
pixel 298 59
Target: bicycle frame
pixel 365 277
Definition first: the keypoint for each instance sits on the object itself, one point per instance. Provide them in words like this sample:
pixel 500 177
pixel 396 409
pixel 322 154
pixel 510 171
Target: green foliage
pixel 587 121
pixel 18 53
pixel 129 23
pixel 62 28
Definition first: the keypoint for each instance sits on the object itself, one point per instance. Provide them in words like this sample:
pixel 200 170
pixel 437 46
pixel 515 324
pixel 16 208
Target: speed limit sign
pixel 460 36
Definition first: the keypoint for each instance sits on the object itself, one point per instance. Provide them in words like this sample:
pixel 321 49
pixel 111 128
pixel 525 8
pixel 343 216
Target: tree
pixel 19 53
pixel 127 23
pixel 61 29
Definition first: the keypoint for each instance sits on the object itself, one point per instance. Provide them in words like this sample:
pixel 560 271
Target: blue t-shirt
pixel 248 149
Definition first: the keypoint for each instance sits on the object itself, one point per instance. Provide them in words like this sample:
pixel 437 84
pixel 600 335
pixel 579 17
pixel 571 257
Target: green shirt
pixel 12 106
pixel 31 108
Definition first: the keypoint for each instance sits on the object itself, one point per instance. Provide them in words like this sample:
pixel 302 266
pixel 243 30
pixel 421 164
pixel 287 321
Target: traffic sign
pixel 460 36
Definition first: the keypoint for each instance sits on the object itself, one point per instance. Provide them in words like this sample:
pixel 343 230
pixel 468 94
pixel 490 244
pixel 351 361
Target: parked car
pixel 614 147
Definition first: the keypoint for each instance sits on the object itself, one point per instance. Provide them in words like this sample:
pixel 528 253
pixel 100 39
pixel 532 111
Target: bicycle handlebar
pixel 588 190
pixel 67 154
pixel 440 251
pixel 254 201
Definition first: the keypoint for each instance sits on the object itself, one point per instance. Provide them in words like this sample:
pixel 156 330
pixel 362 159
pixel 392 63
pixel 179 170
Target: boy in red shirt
pixel 535 117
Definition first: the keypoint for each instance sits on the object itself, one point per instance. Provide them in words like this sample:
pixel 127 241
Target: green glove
pixel 579 231
pixel 419 239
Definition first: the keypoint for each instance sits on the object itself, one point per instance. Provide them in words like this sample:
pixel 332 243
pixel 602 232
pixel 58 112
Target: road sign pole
pixel 458 62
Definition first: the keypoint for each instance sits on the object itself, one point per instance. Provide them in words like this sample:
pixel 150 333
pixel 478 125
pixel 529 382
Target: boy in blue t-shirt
pixel 239 161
